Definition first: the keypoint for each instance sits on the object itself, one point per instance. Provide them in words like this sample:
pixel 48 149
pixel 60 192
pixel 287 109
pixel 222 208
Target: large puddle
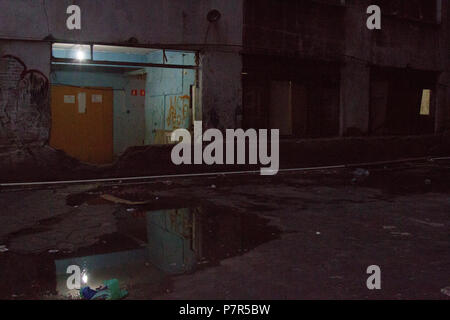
pixel 148 249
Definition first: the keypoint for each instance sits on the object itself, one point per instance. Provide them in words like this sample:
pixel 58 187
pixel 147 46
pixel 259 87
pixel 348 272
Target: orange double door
pixel 82 123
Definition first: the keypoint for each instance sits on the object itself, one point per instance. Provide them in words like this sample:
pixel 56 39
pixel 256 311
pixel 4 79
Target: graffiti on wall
pixel 24 111
pixel 178 112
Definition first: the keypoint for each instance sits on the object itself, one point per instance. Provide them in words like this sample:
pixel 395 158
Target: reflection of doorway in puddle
pixel 174 239
pixel 166 243
pixel 169 241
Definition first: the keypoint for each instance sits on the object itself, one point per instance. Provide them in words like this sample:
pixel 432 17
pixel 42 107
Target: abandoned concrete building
pixel 317 67
pixel 137 70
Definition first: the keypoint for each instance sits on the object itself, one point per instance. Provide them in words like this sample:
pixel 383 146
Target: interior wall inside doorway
pixel 169 105
pixel 148 102
pixel 128 109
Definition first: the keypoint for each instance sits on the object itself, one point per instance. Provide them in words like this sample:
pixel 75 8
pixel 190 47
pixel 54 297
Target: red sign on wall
pixel 134 92
pixel 142 93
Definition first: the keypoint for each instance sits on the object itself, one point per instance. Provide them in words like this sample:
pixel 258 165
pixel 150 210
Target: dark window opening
pixel 401 102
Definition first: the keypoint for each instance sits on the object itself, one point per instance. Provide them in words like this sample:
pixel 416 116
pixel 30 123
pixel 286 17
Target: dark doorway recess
pixel 402 101
pixel 297 96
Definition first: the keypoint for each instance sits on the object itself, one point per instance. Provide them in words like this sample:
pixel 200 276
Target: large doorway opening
pixel 106 99
pixel 298 97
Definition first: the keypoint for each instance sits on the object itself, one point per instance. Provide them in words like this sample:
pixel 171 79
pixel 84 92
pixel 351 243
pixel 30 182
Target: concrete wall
pixel 151 22
pixel 168 102
pixel 24 102
pixel 401 43
pixel 290 27
pixel 180 24
pixel 221 89
pixel 324 30
pixel 315 29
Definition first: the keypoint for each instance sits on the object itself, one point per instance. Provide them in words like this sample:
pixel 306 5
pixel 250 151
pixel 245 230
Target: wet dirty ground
pixel 296 235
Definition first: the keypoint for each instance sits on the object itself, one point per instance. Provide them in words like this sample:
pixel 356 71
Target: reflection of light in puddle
pixel 84 277
pixel 166 242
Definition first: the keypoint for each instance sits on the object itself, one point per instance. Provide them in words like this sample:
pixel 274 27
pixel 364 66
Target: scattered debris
pixel 131 209
pixel 53 251
pixel 389 227
pixel 109 291
pixel 446 291
pixel 3 248
pixel 118 200
pixel 431 224
pixel 405 234
pixel 318 233
pixel 213 186
pixel 360 174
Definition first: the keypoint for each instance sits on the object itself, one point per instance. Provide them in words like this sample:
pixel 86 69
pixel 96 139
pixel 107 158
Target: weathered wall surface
pixel 180 24
pixel 169 90
pixel 320 30
pixel 151 22
pixel 295 28
pixel 221 92
pixel 326 30
pixel 401 43
pixel 24 103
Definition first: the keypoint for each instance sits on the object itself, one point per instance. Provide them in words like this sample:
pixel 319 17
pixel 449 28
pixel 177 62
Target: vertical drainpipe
pixel 436 97
pixel 164 99
pixel 439 11
pixel 198 93
pixel 197 62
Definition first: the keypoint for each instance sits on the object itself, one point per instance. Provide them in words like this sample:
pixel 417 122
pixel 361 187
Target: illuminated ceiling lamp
pixel 79 53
